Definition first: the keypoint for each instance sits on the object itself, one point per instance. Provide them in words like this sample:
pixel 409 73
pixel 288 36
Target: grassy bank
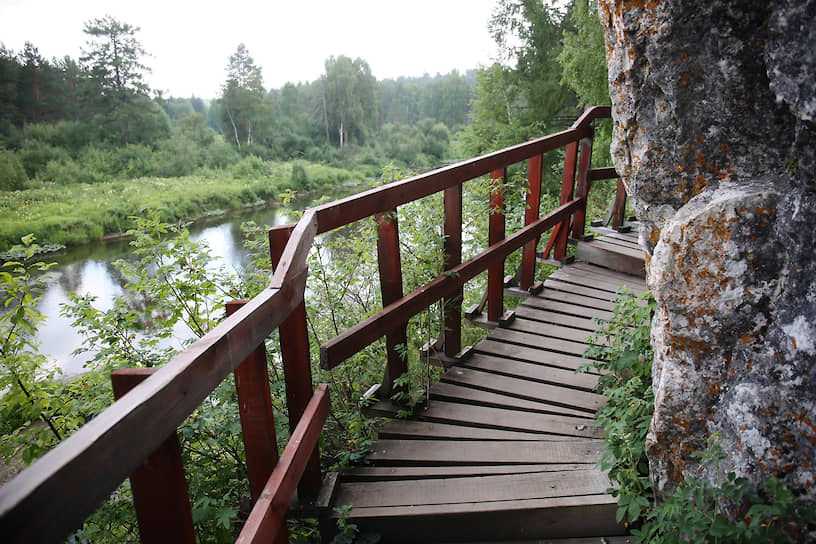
pixel 79 213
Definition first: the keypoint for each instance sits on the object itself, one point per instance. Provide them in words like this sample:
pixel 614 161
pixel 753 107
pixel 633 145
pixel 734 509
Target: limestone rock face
pixel 714 104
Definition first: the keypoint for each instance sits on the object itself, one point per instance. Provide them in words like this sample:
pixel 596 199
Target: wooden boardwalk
pixel 507 448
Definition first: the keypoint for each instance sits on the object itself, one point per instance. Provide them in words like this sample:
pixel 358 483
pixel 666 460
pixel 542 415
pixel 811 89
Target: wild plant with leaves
pixel 622 354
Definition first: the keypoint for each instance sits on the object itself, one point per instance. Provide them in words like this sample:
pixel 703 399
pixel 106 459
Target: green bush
pixel 299 178
pixel 38 155
pixel 220 154
pixel 12 173
pixel 250 167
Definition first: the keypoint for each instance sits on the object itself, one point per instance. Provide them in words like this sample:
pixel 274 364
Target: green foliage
pixel 13 176
pixel 622 354
pixel 583 57
pixel 38 412
pixel 695 512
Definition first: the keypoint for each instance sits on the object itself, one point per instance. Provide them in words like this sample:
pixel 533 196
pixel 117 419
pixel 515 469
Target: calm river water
pixel 89 269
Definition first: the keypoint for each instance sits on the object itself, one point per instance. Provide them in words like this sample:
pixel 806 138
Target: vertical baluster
pixel 495 273
pixel 390 267
pixel 567 190
pixel 297 369
pixel 619 206
pixel 257 414
pixel 159 489
pixel 453 256
pixel 528 254
pixel 583 184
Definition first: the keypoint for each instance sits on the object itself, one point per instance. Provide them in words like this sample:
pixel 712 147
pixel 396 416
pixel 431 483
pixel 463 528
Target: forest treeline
pixel 94 118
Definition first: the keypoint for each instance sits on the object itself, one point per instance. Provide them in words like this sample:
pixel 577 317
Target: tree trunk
pixel 325 111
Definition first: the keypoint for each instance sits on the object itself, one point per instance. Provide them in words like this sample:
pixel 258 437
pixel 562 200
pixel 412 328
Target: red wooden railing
pixel 135 437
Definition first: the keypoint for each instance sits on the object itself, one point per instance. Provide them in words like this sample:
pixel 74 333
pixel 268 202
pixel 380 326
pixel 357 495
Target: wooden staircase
pixel 507 448
pixel 614 249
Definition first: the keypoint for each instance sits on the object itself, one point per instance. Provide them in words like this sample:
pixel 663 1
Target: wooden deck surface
pixel 507 448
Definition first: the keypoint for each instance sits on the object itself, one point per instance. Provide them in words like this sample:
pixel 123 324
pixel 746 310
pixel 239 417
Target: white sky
pixel 190 41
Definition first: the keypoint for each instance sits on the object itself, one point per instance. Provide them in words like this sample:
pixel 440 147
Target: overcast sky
pixel 190 42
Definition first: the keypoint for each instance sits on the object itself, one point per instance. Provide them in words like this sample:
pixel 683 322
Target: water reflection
pixel 91 270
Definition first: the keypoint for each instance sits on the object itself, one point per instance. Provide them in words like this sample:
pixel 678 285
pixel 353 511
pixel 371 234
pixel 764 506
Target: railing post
pixel 257 414
pixel 583 183
pixel 297 369
pixel 390 267
pixel 619 206
pixel 495 273
pixel 567 190
pixel 159 488
pixel 452 306
pixel 528 254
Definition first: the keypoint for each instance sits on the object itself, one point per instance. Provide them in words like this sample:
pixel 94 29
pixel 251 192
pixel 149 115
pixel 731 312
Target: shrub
pixel 12 174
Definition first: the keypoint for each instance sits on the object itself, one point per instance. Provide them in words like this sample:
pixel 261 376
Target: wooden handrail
pixel 351 341
pixel 268 516
pixel 68 483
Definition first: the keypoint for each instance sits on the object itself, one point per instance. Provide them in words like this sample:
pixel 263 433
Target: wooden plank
pixel 486 452
pixel 616 246
pixel 576 299
pixel 453 392
pixel 605 539
pixel 557 285
pixel 621 277
pixel 530 371
pixel 598 275
pixel 498 521
pixel 566 308
pixel 538 355
pixel 511 420
pixel 616 260
pixel 414 473
pixel 434 431
pixel 548 330
pixel 525 389
pixel 537 314
pixel 525 339
pixel 503 487
pixel 268 517
pixel 595 281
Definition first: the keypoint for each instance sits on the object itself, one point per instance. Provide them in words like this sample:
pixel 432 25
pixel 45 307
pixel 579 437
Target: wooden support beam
pixel 268 516
pixel 496 222
pixel 452 305
pixel 528 254
pixel 390 268
pixel 257 414
pixel 583 185
pixel 567 191
pixel 297 368
pixel 159 489
pixel 619 206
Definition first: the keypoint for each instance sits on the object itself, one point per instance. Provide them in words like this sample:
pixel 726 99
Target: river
pixel 90 269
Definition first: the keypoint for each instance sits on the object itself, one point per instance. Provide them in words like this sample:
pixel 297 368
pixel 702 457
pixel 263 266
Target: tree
pixel 583 57
pixel 350 99
pixel 522 96
pixel 113 58
pixel 242 97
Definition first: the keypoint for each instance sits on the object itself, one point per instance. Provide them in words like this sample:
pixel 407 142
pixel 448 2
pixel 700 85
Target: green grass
pixel 79 213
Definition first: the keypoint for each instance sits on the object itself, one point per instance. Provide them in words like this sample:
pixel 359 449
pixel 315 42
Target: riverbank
pixel 80 213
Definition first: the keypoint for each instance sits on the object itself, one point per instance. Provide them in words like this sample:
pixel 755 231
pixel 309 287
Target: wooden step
pixel 613 255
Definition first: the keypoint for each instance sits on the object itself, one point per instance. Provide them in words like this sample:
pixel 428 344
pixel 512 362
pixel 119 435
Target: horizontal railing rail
pixel 52 498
